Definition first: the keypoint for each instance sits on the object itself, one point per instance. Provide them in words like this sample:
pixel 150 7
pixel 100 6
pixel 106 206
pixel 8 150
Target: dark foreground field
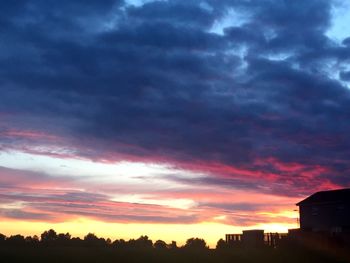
pixel 86 254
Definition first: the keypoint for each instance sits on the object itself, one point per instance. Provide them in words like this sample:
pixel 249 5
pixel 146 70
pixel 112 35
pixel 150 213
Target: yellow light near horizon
pixel 276 227
pixel 147 192
pixel 211 232
pixel 286 213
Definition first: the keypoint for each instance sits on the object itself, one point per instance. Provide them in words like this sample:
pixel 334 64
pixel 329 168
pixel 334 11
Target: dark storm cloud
pixel 344 75
pixel 154 82
pixel 175 12
pixel 346 41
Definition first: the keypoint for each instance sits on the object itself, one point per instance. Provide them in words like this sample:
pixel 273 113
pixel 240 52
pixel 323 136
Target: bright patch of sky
pixel 120 172
pixel 274 227
pixel 232 18
pixel 206 6
pixel 279 56
pixel 345 68
pixel 339 29
pixel 141 2
pixel 153 200
pixel 112 22
pixel 242 52
pixel 13 205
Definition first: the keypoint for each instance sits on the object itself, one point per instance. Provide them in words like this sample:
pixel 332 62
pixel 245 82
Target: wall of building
pixel 330 217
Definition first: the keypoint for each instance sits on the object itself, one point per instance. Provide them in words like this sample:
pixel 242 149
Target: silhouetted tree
pixel 221 244
pixel 91 240
pixel 76 242
pixel 32 240
pixel 2 239
pixel 102 242
pixel 172 245
pixel 160 244
pixel 63 239
pixel 141 242
pixel 16 240
pixel 195 243
pixel 49 237
pixel 120 243
pixel 145 242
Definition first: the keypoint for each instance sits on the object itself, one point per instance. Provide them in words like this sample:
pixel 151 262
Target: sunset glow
pixel 172 119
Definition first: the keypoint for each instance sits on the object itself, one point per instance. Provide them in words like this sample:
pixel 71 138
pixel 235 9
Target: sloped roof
pixel 333 196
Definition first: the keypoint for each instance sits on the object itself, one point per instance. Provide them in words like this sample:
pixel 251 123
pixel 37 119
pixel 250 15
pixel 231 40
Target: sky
pixel 172 119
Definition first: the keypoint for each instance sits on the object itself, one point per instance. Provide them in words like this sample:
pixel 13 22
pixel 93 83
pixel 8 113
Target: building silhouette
pixel 326 211
pixel 324 222
pixel 254 238
pixel 248 238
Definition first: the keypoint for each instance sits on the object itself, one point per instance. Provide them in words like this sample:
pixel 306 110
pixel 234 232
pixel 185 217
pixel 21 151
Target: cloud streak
pixel 31 196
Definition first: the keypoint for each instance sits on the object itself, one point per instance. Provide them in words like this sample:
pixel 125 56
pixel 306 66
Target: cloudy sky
pixel 170 118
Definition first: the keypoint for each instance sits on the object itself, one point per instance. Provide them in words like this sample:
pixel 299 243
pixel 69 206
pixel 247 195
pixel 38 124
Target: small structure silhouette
pixel 254 239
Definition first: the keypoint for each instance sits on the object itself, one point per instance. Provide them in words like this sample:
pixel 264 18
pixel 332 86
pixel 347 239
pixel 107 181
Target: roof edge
pixel 320 192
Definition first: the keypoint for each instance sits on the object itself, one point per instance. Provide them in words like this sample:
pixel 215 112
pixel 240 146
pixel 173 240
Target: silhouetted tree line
pixel 62 247
pixel 50 238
